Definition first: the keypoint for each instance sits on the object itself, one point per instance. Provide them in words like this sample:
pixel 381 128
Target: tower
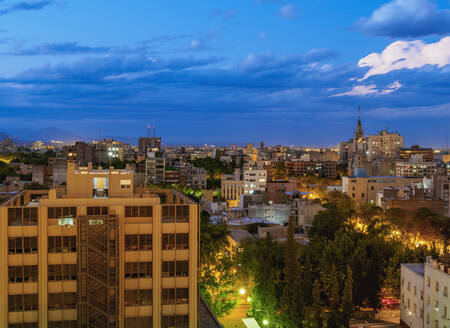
pixel 358 135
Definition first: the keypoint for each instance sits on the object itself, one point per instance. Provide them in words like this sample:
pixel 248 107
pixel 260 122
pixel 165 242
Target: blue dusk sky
pixel 220 72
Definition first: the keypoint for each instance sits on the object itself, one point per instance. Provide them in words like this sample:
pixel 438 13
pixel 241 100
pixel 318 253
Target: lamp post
pixel 267 322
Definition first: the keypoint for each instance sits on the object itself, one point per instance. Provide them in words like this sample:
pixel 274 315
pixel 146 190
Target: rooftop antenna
pixel 154 131
pixel 148 130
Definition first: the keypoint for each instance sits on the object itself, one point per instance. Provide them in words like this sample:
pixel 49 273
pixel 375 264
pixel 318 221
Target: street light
pixel 265 322
pixel 249 299
pixel 242 291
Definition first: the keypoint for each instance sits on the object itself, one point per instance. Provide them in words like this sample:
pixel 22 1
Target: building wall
pixel 412 294
pixel 437 297
pixel 254 180
pixel 365 189
pixel 44 227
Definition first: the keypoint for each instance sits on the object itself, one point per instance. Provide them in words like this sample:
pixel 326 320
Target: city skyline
pixel 278 71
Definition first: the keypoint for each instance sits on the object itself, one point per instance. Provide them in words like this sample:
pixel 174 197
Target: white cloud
pixel 407 54
pixel 370 89
pixel 288 12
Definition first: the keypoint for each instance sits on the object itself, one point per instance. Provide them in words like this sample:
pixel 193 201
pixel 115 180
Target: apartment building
pixel 231 189
pixel 98 253
pixel 415 167
pixel 365 189
pixel 311 168
pixel 154 168
pixel 384 145
pixel 254 180
pixel 425 300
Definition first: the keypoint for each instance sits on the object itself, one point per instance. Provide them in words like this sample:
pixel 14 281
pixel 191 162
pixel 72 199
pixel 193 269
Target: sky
pixel 221 72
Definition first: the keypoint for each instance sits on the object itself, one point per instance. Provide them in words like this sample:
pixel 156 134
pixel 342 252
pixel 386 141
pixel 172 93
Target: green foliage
pixel 217 280
pixel 6 171
pixel 214 166
pixel 34 158
pixel 35 186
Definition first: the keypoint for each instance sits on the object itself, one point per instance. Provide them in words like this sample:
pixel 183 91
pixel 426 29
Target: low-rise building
pixel 231 189
pixel 425 300
pixel 311 168
pixel 254 180
pixel 278 213
pixel 365 189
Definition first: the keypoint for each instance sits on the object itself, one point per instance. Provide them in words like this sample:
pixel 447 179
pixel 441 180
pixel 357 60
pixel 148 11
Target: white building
pixel 254 180
pixel 424 294
pixel 278 213
pixel 416 167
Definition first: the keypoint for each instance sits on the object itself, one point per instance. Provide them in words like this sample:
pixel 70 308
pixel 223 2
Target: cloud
pixel 62 48
pixel 441 110
pixel 288 12
pixel 26 5
pixel 406 18
pixel 370 89
pixel 262 36
pixel 407 55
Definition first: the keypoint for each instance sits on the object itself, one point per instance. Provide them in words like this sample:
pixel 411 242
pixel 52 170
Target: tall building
pixel 384 145
pixel 81 152
pixel 311 168
pixel 254 180
pixel 154 168
pixel 147 144
pixel 231 188
pixel 98 253
pixel 107 150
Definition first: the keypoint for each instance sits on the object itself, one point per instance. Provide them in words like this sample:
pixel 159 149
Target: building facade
pixel 311 168
pixel 254 180
pixel 98 253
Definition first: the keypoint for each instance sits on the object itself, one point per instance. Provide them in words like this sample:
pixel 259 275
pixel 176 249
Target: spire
pixel 359 115
pixel 359 133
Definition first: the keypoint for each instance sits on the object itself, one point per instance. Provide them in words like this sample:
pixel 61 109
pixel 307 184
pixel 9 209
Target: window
pixel 428 299
pixel 18 216
pixel 175 269
pixel 135 270
pixel 138 211
pixel 61 212
pixel 445 291
pixel 415 290
pixel 353 195
pixel 62 244
pixel 175 241
pixel 138 297
pixel 62 301
pixel 428 282
pixel 125 184
pixel 97 210
pixel 415 308
pixel 409 286
pixel 428 318
pixel 175 295
pixel 62 272
pixel 22 245
pixel 26 273
pixel 362 195
pixel 179 321
pixel 437 286
pixel 175 213
pixel 20 303
pixel 371 188
pixel 142 242
pixel 65 324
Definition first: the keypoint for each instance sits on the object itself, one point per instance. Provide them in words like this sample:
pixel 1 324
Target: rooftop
pixel 417 268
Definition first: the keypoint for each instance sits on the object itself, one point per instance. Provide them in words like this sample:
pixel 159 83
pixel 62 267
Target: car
pixel 389 301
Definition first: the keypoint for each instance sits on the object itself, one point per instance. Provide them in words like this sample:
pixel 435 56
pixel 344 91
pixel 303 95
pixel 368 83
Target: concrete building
pixel 147 144
pixel 231 189
pixel 304 210
pixel 304 168
pixel 365 189
pixel 425 300
pixel 154 168
pixel 107 150
pixel 384 145
pixel 415 167
pixel 171 176
pixel 277 213
pixel 98 253
pixel 254 181
pixel 277 189
pixel 81 152
pixel 194 177
pixel 441 190
pixel 426 153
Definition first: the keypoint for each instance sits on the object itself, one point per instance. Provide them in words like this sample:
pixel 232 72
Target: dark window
pixel 179 321
pixel 138 270
pixel 97 210
pixel 175 295
pixel 138 211
pixel 142 242
pixel 58 212
pixel 175 241
pixel 139 322
pixel 62 244
pixel 175 269
pixel 62 272
pixel 20 303
pixel 21 245
pixel 65 324
pixel 26 273
pixel 62 301
pixel 138 297
pixel 18 216
pixel 26 325
pixel 175 213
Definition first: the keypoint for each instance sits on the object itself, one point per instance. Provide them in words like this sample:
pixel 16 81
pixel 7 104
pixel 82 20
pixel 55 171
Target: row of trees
pixel 350 261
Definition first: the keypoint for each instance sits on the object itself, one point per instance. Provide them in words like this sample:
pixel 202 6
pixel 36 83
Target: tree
pixel 347 298
pixel 292 299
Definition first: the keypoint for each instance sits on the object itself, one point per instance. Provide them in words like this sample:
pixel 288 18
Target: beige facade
pixel 385 145
pixel 365 189
pixel 98 254
pixel 231 189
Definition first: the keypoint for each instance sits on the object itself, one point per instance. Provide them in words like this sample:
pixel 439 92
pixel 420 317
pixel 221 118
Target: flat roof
pixel 417 268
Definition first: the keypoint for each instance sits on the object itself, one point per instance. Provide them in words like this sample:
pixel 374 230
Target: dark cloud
pixel 26 5
pixel 63 48
pixel 406 18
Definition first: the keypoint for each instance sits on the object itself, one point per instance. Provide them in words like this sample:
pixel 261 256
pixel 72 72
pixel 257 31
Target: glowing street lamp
pixel 242 291
pixel 265 322
pixel 249 299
